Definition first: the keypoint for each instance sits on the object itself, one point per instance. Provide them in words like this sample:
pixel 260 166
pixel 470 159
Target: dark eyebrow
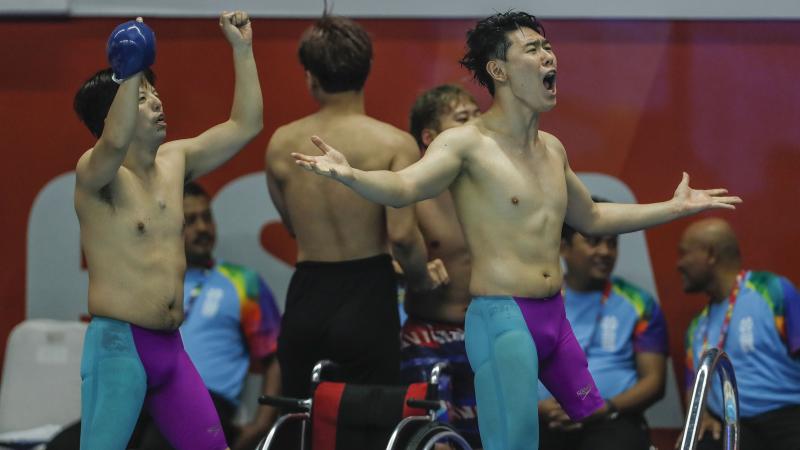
pixel 144 92
pixel 542 42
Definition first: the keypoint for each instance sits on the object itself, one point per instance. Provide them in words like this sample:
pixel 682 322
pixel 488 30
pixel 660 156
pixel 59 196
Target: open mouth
pixel 160 120
pixel 550 81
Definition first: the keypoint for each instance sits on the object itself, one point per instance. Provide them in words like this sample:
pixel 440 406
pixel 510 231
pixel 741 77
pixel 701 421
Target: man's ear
pixel 311 82
pixel 428 135
pixel 497 70
pixel 712 255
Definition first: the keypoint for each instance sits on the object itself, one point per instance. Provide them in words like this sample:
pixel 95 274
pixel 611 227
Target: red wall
pixel 638 100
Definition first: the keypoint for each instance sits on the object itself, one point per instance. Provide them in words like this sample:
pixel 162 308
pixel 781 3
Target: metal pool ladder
pixel 713 360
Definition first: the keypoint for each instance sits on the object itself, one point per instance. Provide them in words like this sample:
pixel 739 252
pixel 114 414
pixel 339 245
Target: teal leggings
pixel 125 368
pixel 503 356
pixel 113 388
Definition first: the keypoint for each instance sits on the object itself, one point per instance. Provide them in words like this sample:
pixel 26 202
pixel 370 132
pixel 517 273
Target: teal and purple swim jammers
pixel 126 367
pixel 509 341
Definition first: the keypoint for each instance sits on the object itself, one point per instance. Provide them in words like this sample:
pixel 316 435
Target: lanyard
pixel 603 301
pixel 726 322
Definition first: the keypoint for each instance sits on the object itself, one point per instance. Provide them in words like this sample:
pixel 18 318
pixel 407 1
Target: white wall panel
pixel 647 9
pixel 34 7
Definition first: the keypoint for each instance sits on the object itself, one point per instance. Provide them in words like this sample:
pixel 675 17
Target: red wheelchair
pixel 365 417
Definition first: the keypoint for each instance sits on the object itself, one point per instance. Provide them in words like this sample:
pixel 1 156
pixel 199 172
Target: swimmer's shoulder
pixel 552 142
pixel 462 139
pixel 292 137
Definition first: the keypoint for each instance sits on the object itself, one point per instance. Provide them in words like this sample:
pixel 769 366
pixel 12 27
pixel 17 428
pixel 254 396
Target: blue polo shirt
pixel 231 319
pixel 763 344
pixel 611 334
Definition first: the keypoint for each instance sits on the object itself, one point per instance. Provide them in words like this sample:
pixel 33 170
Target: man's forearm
pixel 413 258
pixel 248 106
pixel 618 218
pixel 381 186
pixel 270 385
pixel 640 396
pixel 120 122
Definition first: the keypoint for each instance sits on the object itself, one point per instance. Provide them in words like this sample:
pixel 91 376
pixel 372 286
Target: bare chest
pixel 153 216
pixel 517 184
pixel 131 207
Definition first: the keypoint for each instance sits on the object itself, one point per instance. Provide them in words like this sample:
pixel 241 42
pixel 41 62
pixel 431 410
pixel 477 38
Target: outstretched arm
pixel 592 218
pixel 218 144
pixel 424 179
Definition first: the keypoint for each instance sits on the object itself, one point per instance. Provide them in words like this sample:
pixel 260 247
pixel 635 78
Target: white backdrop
pixel 628 9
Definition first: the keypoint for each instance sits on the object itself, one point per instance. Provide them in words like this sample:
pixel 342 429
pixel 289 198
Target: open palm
pixel 696 200
pixel 331 163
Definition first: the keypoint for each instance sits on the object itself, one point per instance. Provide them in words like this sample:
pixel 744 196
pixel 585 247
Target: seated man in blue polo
pixel 755 318
pixel 231 322
pixel 622 331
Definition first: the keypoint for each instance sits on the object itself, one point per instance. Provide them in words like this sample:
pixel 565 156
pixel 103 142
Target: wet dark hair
pixel 194 189
pixel 431 104
pixel 488 41
pixel 94 98
pixel 338 52
pixel 567 232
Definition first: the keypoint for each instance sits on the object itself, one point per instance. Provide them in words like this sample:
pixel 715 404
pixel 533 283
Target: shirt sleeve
pixel 650 334
pixel 260 320
pixel 791 317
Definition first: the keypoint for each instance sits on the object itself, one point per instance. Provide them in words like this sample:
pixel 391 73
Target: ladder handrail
pixel 713 360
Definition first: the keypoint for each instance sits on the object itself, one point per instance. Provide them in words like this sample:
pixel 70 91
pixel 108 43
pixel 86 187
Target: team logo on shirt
pixel 747 339
pixel 608 333
pixel 212 301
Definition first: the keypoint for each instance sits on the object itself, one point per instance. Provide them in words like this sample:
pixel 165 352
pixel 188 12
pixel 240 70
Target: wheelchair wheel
pixel 437 433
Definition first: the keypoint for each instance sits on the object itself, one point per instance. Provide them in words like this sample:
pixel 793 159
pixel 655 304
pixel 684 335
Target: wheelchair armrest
pixel 316 372
pixel 289 404
pixel 436 372
pixel 266 443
